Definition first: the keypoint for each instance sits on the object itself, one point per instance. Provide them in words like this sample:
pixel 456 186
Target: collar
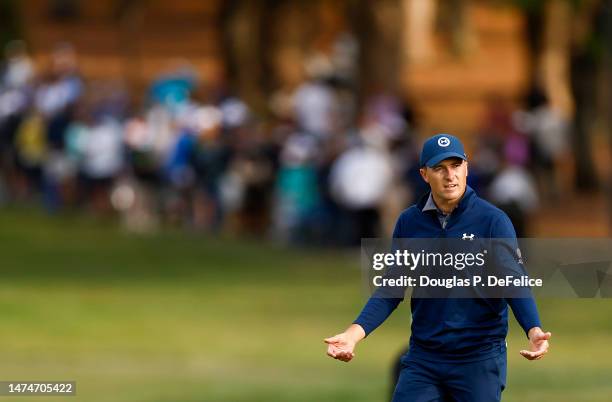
pixel 430 205
pixel 426 203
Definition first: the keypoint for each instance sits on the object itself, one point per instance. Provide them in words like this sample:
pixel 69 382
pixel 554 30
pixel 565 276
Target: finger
pixel 336 347
pixel 332 339
pixel 339 353
pixel 335 350
pixel 526 355
pixel 542 336
pixel 541 352
pixel 531 355
pixel 346 353
pixel 537 353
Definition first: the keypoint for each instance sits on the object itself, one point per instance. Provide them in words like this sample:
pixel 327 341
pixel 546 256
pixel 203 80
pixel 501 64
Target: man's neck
pixel 446 206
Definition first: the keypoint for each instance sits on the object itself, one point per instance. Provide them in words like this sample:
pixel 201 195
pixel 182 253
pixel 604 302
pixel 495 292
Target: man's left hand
pixel 538 344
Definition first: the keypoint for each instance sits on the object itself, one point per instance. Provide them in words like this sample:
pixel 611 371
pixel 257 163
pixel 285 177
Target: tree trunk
pixel 583 74
pixel 378 31
pixel 607 81
pixel 585 65
pixel 418 28
pixel 244 52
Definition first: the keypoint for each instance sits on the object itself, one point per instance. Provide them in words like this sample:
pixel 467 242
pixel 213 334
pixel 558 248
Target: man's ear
pixel 423 172
pixel 467 171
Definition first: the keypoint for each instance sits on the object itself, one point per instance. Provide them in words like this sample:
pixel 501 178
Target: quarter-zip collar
pixel 425 206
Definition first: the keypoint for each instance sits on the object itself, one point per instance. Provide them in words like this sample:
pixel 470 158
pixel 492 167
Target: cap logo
pixel 443 141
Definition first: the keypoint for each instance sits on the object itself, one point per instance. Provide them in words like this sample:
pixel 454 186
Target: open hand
pixel 538 344
pixel 340 347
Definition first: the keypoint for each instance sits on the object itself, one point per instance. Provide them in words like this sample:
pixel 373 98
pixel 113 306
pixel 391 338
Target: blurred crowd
pixel 321 167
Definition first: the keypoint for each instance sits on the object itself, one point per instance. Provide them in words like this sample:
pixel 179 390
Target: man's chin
pixel 450 195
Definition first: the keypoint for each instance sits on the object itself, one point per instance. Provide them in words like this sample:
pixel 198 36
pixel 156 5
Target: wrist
pixel 532 331
pixel 355 332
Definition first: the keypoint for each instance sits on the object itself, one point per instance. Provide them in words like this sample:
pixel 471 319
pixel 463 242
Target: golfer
pixel 457 349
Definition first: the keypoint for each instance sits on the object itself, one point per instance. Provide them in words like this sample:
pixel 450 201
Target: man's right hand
pixel 342 346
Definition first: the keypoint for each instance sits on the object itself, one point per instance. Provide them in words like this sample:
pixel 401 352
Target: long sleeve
pixel 375 312
pixel 380 305
pixel 526 313
pixel 524 307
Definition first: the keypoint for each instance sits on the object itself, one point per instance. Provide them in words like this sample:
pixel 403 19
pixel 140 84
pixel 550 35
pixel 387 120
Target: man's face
pixel 447 179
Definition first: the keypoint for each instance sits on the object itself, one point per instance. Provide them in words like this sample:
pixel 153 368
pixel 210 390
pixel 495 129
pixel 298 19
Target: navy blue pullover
pixel 455 329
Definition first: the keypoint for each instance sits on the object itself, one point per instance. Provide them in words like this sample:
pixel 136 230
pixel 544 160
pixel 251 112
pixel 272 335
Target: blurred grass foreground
pixel 177 317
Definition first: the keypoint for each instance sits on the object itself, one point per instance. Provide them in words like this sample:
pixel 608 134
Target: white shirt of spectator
pixel 103 153
pixel 361 177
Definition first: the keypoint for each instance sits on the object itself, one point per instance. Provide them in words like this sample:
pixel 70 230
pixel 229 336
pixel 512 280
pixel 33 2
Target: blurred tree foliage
pixel 588 54
pixel 261 35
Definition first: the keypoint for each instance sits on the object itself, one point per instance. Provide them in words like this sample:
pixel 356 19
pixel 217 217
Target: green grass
pixel 175 317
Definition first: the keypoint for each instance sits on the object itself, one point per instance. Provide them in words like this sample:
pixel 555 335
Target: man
pixel 457 347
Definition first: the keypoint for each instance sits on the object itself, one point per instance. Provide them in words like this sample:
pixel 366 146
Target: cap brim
pixel 446 155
